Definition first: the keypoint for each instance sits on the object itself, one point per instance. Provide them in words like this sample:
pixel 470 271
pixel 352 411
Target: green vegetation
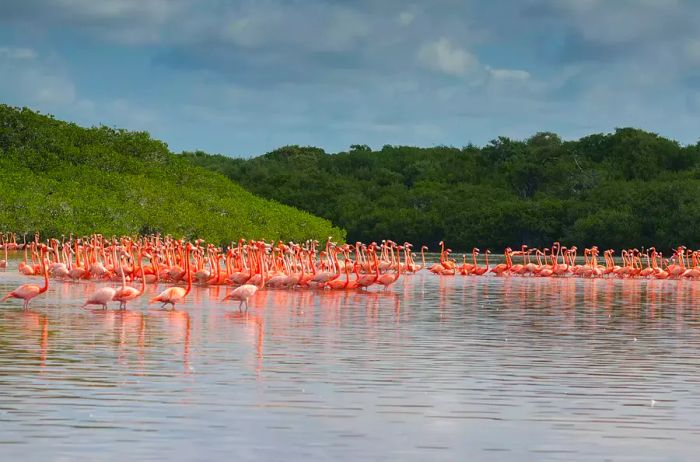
pixel 628 188
pixel 58 178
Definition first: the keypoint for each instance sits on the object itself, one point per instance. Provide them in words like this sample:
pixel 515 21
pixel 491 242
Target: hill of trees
pixel 58 178
pixel 627 188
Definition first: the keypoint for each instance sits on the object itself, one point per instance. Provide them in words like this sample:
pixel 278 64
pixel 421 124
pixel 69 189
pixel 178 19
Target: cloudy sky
pixel 243 77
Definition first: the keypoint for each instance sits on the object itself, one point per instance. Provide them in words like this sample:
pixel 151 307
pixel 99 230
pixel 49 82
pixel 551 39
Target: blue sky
pixel 244 77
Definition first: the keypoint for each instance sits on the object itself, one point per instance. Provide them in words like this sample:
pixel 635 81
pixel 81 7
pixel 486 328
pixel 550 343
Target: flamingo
pixel 4 244
pixel 101 297
pixel 338 284
pixel 481 270
pixel 244 292
pixel 173 295
pixel 369 279
pixel 126 293
pixel 388 279
pixel 503 267
pixel 28 291
pixel 76 272
pixel 24 267
pixel 437 268
pixel 548 270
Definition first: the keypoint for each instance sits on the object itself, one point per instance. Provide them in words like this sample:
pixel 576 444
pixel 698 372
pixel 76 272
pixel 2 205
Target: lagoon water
pixel 436 368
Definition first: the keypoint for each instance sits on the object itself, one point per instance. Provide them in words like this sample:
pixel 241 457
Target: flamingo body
pixel 101 296
pixel 124 294
pixel 26 292
pixel 242 294
pixel 171 295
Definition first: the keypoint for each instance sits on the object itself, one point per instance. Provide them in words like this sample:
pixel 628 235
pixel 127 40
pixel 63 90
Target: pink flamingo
pixel 338 284
pixel 415 268
pixel 481 270
pixel 387 279
pixel 101 297
pixel 173 295
pixel 244 292
pixel 369 279
pixel 3 263
pixel 28 291
pixel 502 268
pixel 126 293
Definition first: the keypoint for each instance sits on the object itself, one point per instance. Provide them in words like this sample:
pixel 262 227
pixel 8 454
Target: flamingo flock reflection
pixel 249 266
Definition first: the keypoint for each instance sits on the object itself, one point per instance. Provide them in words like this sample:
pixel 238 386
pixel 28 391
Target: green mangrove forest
pixel 627 188
pixel 621 189
pixel 58 178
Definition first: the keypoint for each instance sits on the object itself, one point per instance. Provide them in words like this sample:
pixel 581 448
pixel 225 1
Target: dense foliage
pixel 628 188
pixel 58 178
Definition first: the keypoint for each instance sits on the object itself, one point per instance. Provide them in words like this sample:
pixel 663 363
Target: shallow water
pixel 447 368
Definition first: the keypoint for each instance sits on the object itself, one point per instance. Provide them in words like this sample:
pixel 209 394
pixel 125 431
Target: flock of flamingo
pixel 253 265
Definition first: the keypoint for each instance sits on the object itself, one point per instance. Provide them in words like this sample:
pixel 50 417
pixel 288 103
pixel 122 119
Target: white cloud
pixel 27 79
pixel 406 18
pixel 692 51
pixel 285 26
pixel 635 23
pixel 341 69
pixel 442 56
pixel 17 53
pixel 130 115
pixel 48 89
pixel 132 22
pixel 157 11
pixel 247 32
pixel 509 74
pixel 344 28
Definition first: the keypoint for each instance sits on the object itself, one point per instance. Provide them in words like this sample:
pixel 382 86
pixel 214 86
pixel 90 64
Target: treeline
pixel 627 188
pixel 59 178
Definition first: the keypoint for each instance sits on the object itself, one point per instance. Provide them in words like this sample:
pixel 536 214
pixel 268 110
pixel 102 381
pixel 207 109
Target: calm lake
pixel 436 368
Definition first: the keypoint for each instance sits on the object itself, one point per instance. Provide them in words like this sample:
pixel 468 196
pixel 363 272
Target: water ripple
pixel 439 368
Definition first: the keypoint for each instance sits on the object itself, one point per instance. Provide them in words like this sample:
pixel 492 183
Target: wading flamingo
pixel 3 263
pixel 481 270
pixel 244 292
pixel 126 293
pixel 387 279
pixel 101 297
pixel 369 279
pixel 28 291
pixel 173 295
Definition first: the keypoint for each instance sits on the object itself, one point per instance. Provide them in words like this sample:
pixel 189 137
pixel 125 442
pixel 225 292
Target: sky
pixel 242 78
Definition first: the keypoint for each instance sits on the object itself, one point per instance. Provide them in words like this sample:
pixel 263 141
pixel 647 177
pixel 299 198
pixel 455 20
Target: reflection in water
pixel 439 368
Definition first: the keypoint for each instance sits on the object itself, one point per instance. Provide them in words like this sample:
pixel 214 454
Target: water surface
pixel 436 368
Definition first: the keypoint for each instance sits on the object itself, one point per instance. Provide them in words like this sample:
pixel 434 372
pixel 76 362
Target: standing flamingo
pixel 28 291
pixel 387 279
pixel 481 270
pixel 369 279
pixel 173 295
pixel 126 293
pixel 101 297
pixel 3 263
pixel 244 292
